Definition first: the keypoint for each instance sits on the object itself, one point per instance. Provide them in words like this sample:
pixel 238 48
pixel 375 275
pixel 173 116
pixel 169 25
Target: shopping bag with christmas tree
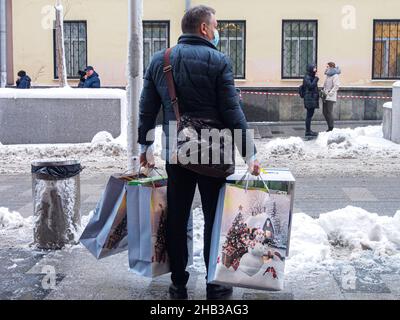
pixel 106 233
pixel 147 214
pixel 251 234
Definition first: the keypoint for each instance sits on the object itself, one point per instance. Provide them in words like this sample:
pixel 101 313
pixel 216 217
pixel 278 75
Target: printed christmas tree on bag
pixel 160 246
pixel 235 245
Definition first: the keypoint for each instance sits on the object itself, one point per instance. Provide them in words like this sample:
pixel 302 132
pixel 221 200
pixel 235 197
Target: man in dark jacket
pixel 92 78
pixel 205 87
pixel 311 97
pixel 82 78
pixel 23 81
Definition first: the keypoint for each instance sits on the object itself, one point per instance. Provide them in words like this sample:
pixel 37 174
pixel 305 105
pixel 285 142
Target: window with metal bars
pixel 386 51
pixel 155 38
pixel 75 43
pixel 299 47
pixel 233 44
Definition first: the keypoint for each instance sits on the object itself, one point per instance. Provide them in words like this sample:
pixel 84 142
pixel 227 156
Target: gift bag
pixel 147 214
pixel 251 233
pixel 106 233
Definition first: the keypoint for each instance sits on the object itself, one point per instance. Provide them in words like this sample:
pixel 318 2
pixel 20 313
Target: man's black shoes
pixel 311 134
pixel 178 292
pixel 214 292
pixel 218 292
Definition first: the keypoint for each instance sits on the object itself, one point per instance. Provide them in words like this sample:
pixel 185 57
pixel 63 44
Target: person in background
pixel 23 81
pixel 331 88
pixel 92 79
pixel 311 97
pixel 82 79
pixel 239 92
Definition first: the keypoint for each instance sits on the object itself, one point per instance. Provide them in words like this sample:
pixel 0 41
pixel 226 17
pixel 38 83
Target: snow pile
pixel 11 220
pixel 361 144
pixel 361 234
pixel 358 143
pixel 85 219
pixel 102 137
pixel 18 158
pixel 358 229
pixel 76 151
pixel 63 93
pixel 292 147
pixel 104 143
pixel 318 243
pixel 354 143
pixel 309 244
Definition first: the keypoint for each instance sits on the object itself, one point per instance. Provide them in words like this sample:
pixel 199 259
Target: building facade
pixel 269 42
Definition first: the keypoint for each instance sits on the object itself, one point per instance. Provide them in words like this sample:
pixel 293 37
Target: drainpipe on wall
pixel 188 4
pixel 3 44
pixel 9 45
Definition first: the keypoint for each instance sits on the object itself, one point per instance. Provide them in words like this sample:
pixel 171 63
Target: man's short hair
pixel 194 17
pixel 21 73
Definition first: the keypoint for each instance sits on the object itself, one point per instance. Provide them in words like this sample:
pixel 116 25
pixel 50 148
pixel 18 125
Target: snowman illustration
pixel 259 238
pixel 252 261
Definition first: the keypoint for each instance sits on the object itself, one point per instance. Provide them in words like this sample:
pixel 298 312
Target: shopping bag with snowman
pixel 251 233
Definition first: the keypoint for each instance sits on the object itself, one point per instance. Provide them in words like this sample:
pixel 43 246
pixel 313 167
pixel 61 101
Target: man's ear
pixel 203 29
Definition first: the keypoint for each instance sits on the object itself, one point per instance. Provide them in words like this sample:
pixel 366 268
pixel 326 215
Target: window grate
pixel 386 50
pixel 299 47
pixel 155 38
pixel 233 44
pixel 75 44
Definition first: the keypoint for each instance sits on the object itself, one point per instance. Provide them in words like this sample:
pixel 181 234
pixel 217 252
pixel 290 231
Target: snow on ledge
pixel 62 93
pixel 388 105
pixel 396 84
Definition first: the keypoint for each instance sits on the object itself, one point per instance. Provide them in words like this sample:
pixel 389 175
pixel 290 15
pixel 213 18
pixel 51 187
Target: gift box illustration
pixel 251 233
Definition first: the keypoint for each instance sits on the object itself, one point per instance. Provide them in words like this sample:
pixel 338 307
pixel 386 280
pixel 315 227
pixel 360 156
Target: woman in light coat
pixel 331 88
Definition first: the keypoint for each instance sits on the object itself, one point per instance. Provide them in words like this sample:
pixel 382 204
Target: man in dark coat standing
pixel 205 86
pixel 82 78
pixel 311 97
pixel 24 81
pixel 92 79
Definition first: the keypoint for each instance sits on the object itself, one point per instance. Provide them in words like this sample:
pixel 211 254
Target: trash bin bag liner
pixel 58 172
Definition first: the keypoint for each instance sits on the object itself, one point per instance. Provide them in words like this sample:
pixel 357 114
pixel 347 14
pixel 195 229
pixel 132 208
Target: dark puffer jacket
pixel 205 87
pixel 311 93
pixel 93 82
pixel 24 82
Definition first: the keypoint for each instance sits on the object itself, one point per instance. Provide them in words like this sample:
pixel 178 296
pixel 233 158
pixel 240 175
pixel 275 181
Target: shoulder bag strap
pixel 170 83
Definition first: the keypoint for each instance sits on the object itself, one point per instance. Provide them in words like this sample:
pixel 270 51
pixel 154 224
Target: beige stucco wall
pixel 107 35
pixel 107 32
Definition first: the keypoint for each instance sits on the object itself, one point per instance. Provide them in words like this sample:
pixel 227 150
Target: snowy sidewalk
pixel 79 276
pixel 313 195
pixel 346 252
pixel 27 274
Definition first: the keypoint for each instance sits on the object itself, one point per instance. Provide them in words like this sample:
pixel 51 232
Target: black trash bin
pixel 56 203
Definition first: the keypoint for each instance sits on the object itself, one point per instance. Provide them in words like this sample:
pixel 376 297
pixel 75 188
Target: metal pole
pixel 3 44
pixel 60 50
pixel 135 81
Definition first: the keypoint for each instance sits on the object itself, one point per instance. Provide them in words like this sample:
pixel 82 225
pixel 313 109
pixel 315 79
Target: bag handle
pixel 259 178
pixel 170 83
